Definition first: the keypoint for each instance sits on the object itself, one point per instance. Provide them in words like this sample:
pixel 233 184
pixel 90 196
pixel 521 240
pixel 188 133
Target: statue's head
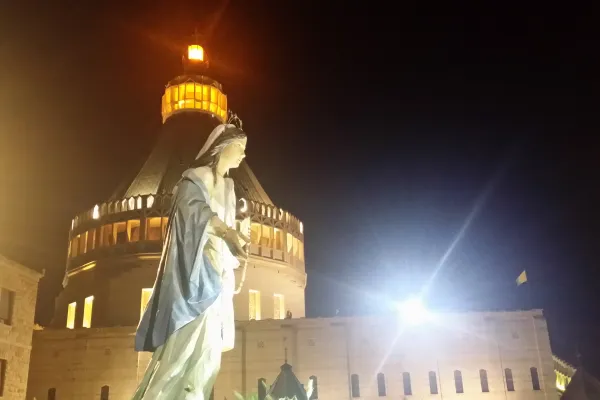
pixel 225 146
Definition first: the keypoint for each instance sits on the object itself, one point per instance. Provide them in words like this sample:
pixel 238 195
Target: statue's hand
pixel 234 240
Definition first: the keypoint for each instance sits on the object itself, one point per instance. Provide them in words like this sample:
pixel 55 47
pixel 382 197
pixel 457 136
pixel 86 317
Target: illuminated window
pixel 195 52
pixel 254 304
pixel 267 233
pixel 295 247
pixel 535 379
pixel 91 240
pixel 72 307
pixel 510 383
pixel 289 240
pixel 300 250
pixel 87 311
pixel 355 385
pixel 194 96
pixel 381 389
pixel 96 212
pixel 153 230
pixel 278 306
pixel 278 244
pixel 406 383
pixel 433 386
pixel 133 230
pixel 75 246
pixel 458 382
pixel 146 293
pixel 255 230
pixel 150 201
pixel 483 380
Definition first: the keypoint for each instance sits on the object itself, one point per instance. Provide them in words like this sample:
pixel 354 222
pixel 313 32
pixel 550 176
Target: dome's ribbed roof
pixel 182 138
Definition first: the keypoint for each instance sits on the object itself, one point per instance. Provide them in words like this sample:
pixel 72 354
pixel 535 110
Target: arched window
pixel 406 383
pixel 212 394
pixel 381 385
pixel 535 379
pixel 52 394
pixel 458 382
pixel 433 386
pixel 104 392
pixel 483 379
pixel 355 385
pixel 315 384
pixel 510 384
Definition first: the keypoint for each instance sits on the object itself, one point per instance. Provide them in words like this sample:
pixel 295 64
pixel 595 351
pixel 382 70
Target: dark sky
pixel 383 128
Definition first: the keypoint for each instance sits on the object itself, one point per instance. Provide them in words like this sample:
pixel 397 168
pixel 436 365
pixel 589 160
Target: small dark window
pixel 315 385
pixel 433 386
pixel 2 376
pixel 212 394
pixel 7 299
pixel 104 392
pixel 355 385
pixel 381 385
pixel 483 379
pixel 52 394
pixel 406 383
pixel 510 384
pixel 458 382
pixel 535 379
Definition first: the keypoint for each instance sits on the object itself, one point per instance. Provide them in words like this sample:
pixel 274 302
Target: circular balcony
pixel 136 226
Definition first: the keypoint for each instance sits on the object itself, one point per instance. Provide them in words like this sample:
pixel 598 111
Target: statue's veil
pixel 213 137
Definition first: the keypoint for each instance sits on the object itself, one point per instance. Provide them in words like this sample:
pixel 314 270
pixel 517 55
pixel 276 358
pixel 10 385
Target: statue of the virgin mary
pixel 189 321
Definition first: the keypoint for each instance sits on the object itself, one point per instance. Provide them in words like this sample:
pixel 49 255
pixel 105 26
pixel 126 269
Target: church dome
pixel 114 246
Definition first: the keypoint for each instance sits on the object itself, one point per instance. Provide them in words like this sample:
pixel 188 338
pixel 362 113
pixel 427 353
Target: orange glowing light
pixel 195 52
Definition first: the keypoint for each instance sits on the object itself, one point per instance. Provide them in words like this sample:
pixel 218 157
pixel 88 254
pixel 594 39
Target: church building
pixel 113 253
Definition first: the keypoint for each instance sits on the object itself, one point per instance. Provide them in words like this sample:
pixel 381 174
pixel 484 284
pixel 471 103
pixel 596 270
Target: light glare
pixel 413 311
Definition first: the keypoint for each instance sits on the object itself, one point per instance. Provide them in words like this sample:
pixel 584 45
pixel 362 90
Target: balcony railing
pixel 138 225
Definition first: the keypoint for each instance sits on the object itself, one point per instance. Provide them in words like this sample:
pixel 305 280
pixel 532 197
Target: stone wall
pixel 15 337
pixel 79 362
pixel 117 290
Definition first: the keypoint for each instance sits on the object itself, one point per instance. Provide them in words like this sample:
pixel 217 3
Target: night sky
pixel 387 131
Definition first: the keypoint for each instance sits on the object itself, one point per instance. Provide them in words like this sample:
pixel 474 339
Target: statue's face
pixel 233 154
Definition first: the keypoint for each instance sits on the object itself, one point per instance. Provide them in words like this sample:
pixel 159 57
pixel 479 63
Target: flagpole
pixel 528 289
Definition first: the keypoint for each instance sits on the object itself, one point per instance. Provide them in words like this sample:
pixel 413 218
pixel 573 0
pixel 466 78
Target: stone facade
pixel 78 363
pixel 20 285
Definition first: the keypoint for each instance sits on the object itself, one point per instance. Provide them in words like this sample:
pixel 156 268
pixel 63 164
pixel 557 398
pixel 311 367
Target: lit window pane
pixel 133 230
pixel 254 304
pixel 91 239
pixel 72 307
pixel 153 230
pixel 87 311
pixel 278 306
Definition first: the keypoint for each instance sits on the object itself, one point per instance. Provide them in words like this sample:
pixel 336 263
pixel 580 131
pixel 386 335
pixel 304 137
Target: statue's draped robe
pixel 192 298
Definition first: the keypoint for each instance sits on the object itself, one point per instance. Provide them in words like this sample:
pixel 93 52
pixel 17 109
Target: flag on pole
pixel 522 278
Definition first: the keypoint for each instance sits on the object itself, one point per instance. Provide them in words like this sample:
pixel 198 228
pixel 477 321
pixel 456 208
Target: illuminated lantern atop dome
pixel 195 52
